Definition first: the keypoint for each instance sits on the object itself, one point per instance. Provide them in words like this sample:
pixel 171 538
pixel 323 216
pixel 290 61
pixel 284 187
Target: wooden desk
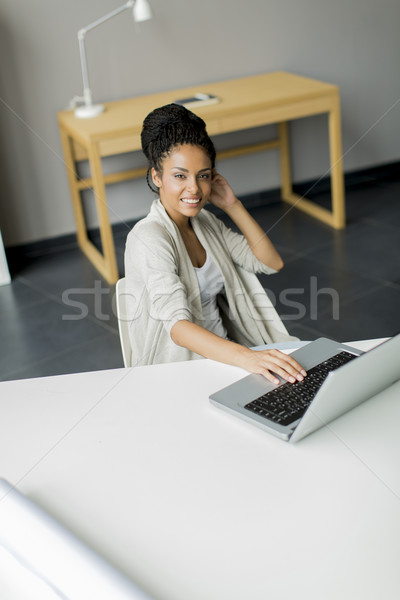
pixel 245 103
pixel 192 503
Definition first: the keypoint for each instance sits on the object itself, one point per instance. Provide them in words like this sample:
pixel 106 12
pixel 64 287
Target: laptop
pixel 339 378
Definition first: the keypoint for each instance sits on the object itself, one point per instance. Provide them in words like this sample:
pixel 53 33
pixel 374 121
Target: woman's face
pixel 185 182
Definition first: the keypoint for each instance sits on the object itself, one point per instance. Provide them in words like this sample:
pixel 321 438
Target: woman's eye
pixel 200 176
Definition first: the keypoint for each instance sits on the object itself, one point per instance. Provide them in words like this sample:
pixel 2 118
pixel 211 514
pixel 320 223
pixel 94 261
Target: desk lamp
pixel 141 11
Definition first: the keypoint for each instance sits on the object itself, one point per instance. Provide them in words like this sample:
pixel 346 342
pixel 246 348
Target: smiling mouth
pixel 191 201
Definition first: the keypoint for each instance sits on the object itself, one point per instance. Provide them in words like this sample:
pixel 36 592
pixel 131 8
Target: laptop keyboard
pixel 289 401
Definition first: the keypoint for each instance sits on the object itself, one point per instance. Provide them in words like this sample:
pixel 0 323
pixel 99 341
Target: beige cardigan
pixel 162 287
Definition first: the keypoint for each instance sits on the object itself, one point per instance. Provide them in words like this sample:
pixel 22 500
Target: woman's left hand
pixel 222 195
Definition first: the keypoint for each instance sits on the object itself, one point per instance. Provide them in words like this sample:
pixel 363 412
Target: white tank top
pixel 211 283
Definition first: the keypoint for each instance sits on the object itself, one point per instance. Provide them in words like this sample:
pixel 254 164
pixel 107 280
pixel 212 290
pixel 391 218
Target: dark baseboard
pixel 17 255
pixel 352 180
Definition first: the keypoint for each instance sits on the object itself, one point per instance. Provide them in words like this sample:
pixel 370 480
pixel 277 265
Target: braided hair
pixel 170 126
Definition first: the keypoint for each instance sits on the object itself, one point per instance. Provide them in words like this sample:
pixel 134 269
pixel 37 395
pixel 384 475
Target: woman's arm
pixel 265 362
pixel 223 197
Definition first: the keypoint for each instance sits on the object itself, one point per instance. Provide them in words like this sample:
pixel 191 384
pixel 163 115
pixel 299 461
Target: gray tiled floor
pixel 58 315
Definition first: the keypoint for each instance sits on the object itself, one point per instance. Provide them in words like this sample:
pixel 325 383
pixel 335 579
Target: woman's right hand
pixel 270 363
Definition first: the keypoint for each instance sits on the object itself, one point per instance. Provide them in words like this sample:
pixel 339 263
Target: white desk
pixel 194 504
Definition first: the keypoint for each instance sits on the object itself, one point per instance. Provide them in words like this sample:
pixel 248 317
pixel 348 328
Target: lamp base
pixel 87 111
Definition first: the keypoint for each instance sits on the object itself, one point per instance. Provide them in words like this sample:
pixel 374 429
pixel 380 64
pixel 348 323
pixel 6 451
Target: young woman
pixel 191 286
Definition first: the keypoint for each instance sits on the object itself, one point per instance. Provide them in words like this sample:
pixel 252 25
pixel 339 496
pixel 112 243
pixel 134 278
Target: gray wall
pixel 353 44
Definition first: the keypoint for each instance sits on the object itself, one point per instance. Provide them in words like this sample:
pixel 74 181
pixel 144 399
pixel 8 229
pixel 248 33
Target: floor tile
pixel 39 332
pixel 372 250
pixel 103 352
pixel 304 333
pixel 70 279
pixel 306 288
pixel 96 301
pixel 55 272
pixel 18 296
pixel 371 316
pixel 292 229
pixel 378 202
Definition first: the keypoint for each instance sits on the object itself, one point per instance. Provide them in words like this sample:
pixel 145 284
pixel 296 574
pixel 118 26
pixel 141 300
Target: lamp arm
pixel 82 32
pixel 87 94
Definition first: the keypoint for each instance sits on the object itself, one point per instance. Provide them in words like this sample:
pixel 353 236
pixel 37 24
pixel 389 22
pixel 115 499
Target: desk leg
pixel 287 193
pixel 105 263
pixel 335 217
pixel 337 180
pixel 74 189
pixel 286 178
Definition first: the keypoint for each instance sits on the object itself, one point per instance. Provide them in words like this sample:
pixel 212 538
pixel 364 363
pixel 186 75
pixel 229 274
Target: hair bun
pixel 169 126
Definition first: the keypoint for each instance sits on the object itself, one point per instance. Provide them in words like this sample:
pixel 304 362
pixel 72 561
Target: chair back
pixel 120 299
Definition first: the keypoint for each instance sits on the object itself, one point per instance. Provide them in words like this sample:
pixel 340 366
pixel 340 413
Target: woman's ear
pixel 155 177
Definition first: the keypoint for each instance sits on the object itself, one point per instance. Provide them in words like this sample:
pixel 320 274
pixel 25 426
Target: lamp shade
pixel 142 11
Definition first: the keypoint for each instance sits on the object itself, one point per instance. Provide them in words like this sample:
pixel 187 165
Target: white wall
pixel 353 44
